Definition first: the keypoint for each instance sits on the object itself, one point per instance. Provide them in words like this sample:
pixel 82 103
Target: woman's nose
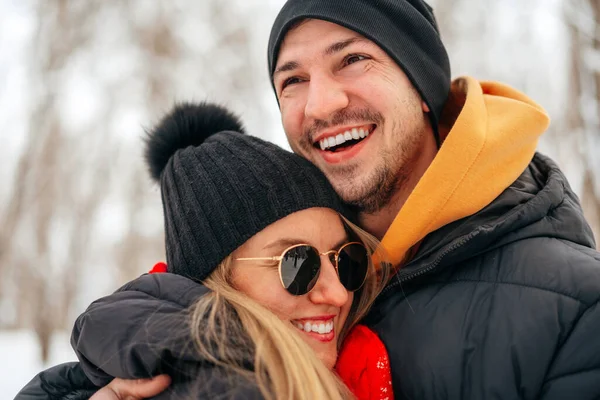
pixel 328 288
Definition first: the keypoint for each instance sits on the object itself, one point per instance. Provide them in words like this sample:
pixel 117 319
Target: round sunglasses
pixel 300 266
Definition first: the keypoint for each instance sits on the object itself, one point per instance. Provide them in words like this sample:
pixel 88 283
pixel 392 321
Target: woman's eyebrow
pixel 284 242
pixel 289 242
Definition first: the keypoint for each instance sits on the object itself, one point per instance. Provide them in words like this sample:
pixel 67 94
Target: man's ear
pixel 425 107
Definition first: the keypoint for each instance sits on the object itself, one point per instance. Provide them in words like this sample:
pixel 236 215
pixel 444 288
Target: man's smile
pixel 341 145
pixel 342 137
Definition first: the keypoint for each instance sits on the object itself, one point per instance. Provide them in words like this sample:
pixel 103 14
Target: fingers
pixel 138 389
pixel 106 393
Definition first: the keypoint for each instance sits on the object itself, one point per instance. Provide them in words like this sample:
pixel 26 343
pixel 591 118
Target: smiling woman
pixel 266 275
pixel 315 292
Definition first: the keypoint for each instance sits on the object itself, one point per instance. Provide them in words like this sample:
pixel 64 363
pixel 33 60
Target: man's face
pixel 347 107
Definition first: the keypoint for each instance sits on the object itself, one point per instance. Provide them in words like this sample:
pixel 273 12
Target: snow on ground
pixel 19 359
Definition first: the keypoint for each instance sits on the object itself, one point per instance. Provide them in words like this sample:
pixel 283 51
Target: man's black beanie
pixel 405 29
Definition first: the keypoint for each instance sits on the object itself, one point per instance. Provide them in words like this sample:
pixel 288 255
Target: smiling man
pixel 497 285
pixel 348 107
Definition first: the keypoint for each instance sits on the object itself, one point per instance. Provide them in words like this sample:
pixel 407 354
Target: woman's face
pixel 328 303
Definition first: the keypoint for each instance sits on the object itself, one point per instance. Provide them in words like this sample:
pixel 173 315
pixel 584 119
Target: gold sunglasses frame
pixel 279 259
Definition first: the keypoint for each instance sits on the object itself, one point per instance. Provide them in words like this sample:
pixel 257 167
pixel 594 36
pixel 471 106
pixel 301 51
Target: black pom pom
pixel 186 125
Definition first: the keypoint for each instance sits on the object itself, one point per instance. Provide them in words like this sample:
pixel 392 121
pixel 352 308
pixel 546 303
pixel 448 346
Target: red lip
pixel 328 337
pixel 345 153
pixel 319 318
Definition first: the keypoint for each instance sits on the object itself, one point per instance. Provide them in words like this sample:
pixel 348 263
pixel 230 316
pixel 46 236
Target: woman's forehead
pixel 320 227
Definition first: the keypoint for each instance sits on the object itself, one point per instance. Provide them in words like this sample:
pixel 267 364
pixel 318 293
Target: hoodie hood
pixel 539 204
pixel 489 146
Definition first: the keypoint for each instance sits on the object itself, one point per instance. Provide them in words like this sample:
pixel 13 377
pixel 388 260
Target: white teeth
pixel 353 134
pixel 320 328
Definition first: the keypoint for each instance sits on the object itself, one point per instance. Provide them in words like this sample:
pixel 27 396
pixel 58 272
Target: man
pixel 497 285
pixel 498 282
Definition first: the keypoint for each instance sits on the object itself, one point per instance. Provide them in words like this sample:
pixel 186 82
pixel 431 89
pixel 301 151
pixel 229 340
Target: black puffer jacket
pixel 500 305
pixel 140 331
pixel 65 381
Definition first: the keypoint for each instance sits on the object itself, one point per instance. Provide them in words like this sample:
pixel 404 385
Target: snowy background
pixel 79 80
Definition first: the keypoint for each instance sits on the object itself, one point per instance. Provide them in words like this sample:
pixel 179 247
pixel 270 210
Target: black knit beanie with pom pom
pixel 220 186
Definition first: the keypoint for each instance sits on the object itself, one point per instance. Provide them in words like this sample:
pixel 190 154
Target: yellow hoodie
pixel 490 144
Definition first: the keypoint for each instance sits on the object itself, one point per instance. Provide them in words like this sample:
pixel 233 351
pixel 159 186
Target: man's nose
pixel 325 97
pixel 328 289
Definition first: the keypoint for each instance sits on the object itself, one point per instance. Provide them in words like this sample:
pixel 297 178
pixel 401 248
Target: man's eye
pixel 290 81
pixel 353 58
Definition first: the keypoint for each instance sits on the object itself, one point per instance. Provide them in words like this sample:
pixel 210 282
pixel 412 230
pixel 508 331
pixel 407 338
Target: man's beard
pixel 377 190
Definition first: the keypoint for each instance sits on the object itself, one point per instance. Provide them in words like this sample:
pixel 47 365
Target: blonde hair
pixel 226 323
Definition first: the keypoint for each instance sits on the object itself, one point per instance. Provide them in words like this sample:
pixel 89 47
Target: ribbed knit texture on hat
pixel 219 194
pixel 405 29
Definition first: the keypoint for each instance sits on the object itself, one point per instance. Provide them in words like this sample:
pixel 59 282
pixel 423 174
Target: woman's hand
pixel 132 389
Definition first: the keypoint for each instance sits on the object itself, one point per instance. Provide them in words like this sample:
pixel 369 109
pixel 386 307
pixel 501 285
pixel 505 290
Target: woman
pixel 284 273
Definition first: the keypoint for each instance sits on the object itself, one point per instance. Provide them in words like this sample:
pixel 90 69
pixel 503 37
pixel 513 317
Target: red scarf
pixel 364 366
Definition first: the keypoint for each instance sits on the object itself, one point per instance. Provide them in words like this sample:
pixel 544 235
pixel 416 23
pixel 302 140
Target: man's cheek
pixel 293 136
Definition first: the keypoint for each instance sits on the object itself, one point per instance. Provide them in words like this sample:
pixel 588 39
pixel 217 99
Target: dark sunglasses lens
pixel 353 264
pixel 300 269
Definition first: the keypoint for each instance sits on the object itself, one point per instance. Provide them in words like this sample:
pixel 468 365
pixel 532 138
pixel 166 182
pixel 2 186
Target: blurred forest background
pixel 79 81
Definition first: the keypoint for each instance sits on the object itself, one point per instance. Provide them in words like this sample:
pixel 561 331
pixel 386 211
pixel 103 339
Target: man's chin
pixel 367 198
pixel 351 193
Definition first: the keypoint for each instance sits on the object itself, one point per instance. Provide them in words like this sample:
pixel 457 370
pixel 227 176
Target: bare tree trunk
pixel 577 125
pixel 592 189
pixel 38 184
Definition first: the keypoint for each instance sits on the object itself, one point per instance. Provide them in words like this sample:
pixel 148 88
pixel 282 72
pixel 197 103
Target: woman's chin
pixel 328 358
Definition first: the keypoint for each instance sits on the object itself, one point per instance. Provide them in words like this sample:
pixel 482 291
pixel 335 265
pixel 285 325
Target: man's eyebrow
pixel 341 45
pixel 332 49
pixel 288 66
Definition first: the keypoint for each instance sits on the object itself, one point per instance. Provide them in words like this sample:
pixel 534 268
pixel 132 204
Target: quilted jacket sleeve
pixel 576 365
pixel 65 381
pixel 140 331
